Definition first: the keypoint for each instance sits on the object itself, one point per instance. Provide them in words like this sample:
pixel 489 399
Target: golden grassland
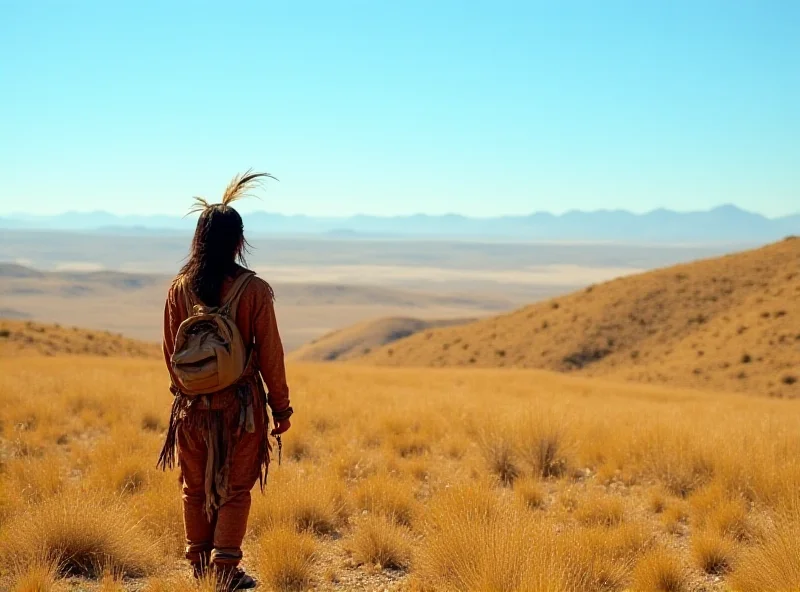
pixel 730 323
pixel 409 479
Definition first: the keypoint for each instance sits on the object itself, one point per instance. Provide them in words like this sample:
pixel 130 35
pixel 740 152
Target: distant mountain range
pixel 724 223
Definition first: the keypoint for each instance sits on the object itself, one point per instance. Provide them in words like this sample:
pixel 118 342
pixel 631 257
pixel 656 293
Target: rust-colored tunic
pixel 205 427
pixel 255 318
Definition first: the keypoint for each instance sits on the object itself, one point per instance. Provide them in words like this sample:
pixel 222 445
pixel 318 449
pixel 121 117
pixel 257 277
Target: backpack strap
pixel 236 291
pixel 188 295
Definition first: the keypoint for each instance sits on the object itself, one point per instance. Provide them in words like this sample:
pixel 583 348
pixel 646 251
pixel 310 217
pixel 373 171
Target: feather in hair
pixel 241 185
pixel 200 205
pixel 236 189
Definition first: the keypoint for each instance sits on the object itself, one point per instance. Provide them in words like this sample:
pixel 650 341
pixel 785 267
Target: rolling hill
pixel 730 323
pixel 360 339
pixel 26 338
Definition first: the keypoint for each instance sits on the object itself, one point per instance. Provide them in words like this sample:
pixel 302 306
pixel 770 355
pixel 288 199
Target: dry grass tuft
pixel 660 571
pixel 712 553
pixel 285 559
pixel 715 511
pixel 455 446
pixel 299 446
pixel 409 444
pixel 420 468
pixel 39 576
pixel 111 582
pixel 354 465
pixel 674 517
pixel 625 541
pixel 731 520
pixel 601 558
pixel 475 502
pixel 120 464
pixel 600 510
pixel 33 479
pixel 534 445
pixel 704 500
pixel 773 563
pixel 499 452
pixel 159 511
pixel 306 503
pixel 530 492
pixel 541 445
pixel 377 541
pixel 84 533
pixel 677 458
pixel 152 422
pixel 387 497
pixel 473 541
pixel 657 501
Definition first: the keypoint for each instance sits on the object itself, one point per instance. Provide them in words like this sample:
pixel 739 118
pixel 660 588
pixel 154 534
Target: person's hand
pixel 281 426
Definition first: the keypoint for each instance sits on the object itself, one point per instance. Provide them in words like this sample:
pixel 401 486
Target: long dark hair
pixel 218 247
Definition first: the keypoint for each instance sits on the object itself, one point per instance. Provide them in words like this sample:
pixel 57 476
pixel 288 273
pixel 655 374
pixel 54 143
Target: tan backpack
pixel 210 354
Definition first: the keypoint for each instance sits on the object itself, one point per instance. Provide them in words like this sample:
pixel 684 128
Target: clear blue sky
pixel 480 108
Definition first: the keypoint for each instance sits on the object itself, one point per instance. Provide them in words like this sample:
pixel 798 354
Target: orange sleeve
pixel 269 352
pixel 172 321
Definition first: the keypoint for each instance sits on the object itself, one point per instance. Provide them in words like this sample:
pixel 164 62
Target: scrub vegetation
pixel 409 479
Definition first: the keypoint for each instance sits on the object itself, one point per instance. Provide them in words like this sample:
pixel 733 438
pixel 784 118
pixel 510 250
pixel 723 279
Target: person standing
pixel 221 436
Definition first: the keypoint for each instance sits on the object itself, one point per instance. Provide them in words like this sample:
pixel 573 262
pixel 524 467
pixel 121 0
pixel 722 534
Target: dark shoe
pixel 241 581
pixel 234 579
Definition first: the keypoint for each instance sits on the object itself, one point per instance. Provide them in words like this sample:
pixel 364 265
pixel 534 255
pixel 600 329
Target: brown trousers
pixel 218 540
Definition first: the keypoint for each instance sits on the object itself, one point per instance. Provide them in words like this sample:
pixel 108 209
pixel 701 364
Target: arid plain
pixel 117 281
pixel 504 472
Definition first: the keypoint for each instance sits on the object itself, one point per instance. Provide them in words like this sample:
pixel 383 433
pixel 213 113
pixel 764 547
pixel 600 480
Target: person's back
pixel 221 438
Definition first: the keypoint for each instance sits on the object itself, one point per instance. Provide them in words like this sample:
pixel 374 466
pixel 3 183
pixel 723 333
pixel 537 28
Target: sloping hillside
pixel 362 338
pixel 29 338
pixel 730 323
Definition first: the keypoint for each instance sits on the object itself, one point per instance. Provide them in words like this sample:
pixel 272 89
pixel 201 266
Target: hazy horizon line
pixel 451 214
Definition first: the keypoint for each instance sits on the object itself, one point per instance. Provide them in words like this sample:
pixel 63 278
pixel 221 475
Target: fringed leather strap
pixel 167 457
